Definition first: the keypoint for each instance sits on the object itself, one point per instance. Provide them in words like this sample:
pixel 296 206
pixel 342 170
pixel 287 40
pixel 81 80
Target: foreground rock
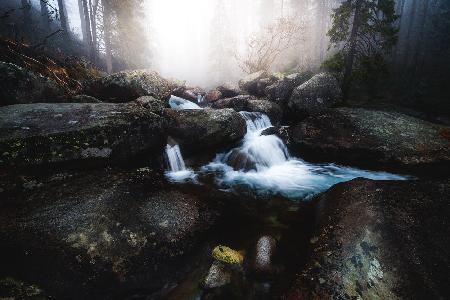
pixel 205 129
pixel 38 134
pixel 250 103
pixel 374 139
pixel 264 252
pixel 315 95
pixel 379 240
pixel 20 86
pixel 127 86
pixel 101 234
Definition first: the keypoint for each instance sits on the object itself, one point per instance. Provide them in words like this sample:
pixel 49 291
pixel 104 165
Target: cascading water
pixel 178 103
pixel 263 164
pixel 177 171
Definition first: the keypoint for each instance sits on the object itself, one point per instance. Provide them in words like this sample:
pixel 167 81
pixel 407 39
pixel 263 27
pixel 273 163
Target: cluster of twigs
pixel 68 72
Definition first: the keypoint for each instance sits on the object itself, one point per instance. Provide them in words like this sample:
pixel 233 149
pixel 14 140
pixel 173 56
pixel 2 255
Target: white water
pixel 177 171
pixel 264 165
pixel 178 103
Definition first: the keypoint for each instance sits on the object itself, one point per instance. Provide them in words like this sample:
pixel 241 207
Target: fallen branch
pixel 46 38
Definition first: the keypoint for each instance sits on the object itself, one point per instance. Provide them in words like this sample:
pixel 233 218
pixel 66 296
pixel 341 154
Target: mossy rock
pixel 227 255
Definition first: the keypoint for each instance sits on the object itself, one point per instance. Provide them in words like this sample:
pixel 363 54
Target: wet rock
pixel 265 249
pixel 227 255
pixel 315 95
pixel 229 90
pixel 102 233
pixel 213 96
pixel 271 109
pixel 280 131
pixel 128 86
pixel 11 288
pixel 379 240
pixel 151 103
pixel 83 99
pixel 239 160
pixel 80 134
pixel 206 130
pixel 374 139
pixel 218 276
pixel 252 104
pixel 21 86
pixel 280 91
pixel 190 93
pixel 255 83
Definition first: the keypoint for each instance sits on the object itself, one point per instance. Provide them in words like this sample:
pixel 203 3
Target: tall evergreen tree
pixel 363 31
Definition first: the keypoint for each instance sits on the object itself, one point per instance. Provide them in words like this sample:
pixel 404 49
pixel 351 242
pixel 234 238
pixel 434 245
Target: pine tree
pixel 363 31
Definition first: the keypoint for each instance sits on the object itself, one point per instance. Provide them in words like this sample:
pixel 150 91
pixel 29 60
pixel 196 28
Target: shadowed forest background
pixel 208 43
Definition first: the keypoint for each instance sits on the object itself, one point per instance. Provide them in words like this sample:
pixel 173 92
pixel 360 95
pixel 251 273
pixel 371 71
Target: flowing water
pixel 178 103
pixel 263 164
pixel 177 171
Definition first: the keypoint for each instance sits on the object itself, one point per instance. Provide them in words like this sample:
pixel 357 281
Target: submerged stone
pixel 227 255
pixel 217 276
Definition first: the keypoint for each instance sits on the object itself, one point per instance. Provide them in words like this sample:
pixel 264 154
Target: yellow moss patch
pixel 227 255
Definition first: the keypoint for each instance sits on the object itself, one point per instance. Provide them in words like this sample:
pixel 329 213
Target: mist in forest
pixel 210 42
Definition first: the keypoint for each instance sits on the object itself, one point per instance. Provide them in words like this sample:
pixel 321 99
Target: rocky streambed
pixel 87 210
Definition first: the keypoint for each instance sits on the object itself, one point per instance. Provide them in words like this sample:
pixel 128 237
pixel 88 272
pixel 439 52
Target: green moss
pixel 227 255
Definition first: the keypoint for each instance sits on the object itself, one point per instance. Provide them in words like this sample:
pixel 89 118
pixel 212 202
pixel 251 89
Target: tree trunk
pixel 107 35
pixel 45 16
pixel 87 23
pixel 82 22
pixel 349 60
pixel 63 17
pixel 93 13
pixel 26 8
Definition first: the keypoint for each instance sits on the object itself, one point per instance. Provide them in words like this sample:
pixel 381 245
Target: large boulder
pixel 128 85
pixel 39 134
pixel 379 240
pixel 315 95
pixel 280 91
pixel 256 83
pixel 21 86
pixel 373 139
pixel 205 129
pixel 229 90
pixel 252 104
pixel 99 234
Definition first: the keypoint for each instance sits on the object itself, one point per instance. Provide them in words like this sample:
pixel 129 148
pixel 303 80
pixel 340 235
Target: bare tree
pixel 264 49
pixel 107 34
pixel 63 17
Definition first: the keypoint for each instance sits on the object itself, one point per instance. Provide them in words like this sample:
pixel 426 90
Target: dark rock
pixel 315 95
pixel 128 86
pixel 205 129
pixel 39 134
pixel 271 109
pixel 103 233
pixel 379 240
pixel 11 288
pixel 238 103
pixel 20 86
pixel 151 103
pixel 280 91
pixel 229 90
pixel 83 99
pixel 280 131
pixel 255 83
pixel 373 139
pixel 252 104
pixel 190 93
pixel 213 96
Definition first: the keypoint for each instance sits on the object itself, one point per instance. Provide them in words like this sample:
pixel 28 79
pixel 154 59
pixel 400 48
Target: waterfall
pixel 255 120
pixel 174 158
pixel 263 164
pixel 177 171
pixel 178 103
